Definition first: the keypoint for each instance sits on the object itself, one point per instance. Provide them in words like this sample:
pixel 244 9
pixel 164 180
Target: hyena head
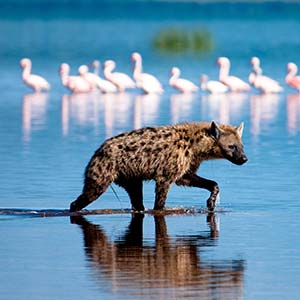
pixel 229 140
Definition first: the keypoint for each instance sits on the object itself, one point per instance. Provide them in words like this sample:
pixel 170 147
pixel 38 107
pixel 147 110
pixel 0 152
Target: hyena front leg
pixel 91 191
pixel 197 181
pixel 161 190
pixel 134 188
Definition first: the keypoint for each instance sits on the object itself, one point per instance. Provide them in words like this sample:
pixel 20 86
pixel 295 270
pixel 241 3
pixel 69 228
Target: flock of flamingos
pixel 86 81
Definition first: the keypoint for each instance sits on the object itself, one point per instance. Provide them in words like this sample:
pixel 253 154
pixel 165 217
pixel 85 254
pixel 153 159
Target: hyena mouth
pixel 237 160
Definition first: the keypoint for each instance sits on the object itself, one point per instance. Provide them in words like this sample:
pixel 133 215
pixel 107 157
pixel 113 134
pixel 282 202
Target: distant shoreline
pixel 149 9
pixel 124 2
pixel 221 1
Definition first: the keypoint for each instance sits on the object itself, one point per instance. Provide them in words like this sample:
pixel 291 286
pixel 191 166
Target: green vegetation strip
pixel 178 40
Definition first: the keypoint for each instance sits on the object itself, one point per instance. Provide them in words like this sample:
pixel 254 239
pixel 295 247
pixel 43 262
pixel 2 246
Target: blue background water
pixel 46 141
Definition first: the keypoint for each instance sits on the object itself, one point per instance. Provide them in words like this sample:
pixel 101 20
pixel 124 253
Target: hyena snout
pixel 239 157
pixel 235 155
pixel 241 160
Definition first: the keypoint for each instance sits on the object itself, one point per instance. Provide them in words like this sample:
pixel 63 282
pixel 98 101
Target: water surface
pixel 248 250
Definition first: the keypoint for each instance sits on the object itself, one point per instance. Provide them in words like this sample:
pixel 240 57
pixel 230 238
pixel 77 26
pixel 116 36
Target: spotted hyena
pixel 166 154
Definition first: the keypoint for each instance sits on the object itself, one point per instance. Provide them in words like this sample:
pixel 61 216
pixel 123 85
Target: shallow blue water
pixel 250 251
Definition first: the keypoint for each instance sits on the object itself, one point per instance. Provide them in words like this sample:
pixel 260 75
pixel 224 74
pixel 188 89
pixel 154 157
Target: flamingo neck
pixel 107 71
pixel 64 75
pixel 291 74
pixel 256 66
pixel 252 77
pixel 224 72
pixel 257 69
pixel 26 71
pixel 174 77
pixel 137 69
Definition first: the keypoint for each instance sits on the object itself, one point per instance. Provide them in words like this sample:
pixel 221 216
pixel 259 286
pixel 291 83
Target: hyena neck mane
pixel 199 136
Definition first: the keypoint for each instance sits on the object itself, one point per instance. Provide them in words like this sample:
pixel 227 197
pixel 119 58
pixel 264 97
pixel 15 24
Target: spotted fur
pixel 166 154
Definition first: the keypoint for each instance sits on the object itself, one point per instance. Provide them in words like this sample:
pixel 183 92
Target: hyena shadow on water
pixel 169 267
pixel 165 154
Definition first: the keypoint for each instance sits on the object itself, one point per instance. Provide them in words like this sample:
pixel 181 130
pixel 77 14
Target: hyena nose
pixel 244 159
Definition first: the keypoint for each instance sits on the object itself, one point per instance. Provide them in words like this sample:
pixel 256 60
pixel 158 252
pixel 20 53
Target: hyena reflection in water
pixel 166 154
pixel 170 268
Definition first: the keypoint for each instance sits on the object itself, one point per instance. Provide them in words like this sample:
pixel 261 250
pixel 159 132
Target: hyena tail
pixel 98 177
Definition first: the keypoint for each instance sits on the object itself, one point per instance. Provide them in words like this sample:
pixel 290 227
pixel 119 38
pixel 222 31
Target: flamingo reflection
pixel 117 112
pixel 33 113
pixel 224 108
pixel 182 107
pixel 293 113
pixel 263 109
pixel 145 109
pixel 79 108
pixel 170 268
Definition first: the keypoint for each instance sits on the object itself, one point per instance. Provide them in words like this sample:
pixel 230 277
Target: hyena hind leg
pixel 91 191
pixel 134 188
pixel 161 190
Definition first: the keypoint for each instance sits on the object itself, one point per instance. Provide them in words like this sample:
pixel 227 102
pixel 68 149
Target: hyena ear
pixel 240 129
pixel 215 131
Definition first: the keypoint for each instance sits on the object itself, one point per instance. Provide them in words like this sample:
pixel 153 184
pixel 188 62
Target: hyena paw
pixel 210 204
pixel 74 207
pixel 211 201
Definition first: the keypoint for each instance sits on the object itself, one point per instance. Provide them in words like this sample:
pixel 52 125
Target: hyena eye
pixel 232 147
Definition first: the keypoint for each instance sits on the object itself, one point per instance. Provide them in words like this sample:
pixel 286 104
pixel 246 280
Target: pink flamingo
pixel 75 84
pixel 263 83
pixel 121 80
pixel 95 80
pixel 212 86
pixel 36 82
pixel 291 78
pixel 147 82
pixel 255 62
pixel 234 83
pixel 182 85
